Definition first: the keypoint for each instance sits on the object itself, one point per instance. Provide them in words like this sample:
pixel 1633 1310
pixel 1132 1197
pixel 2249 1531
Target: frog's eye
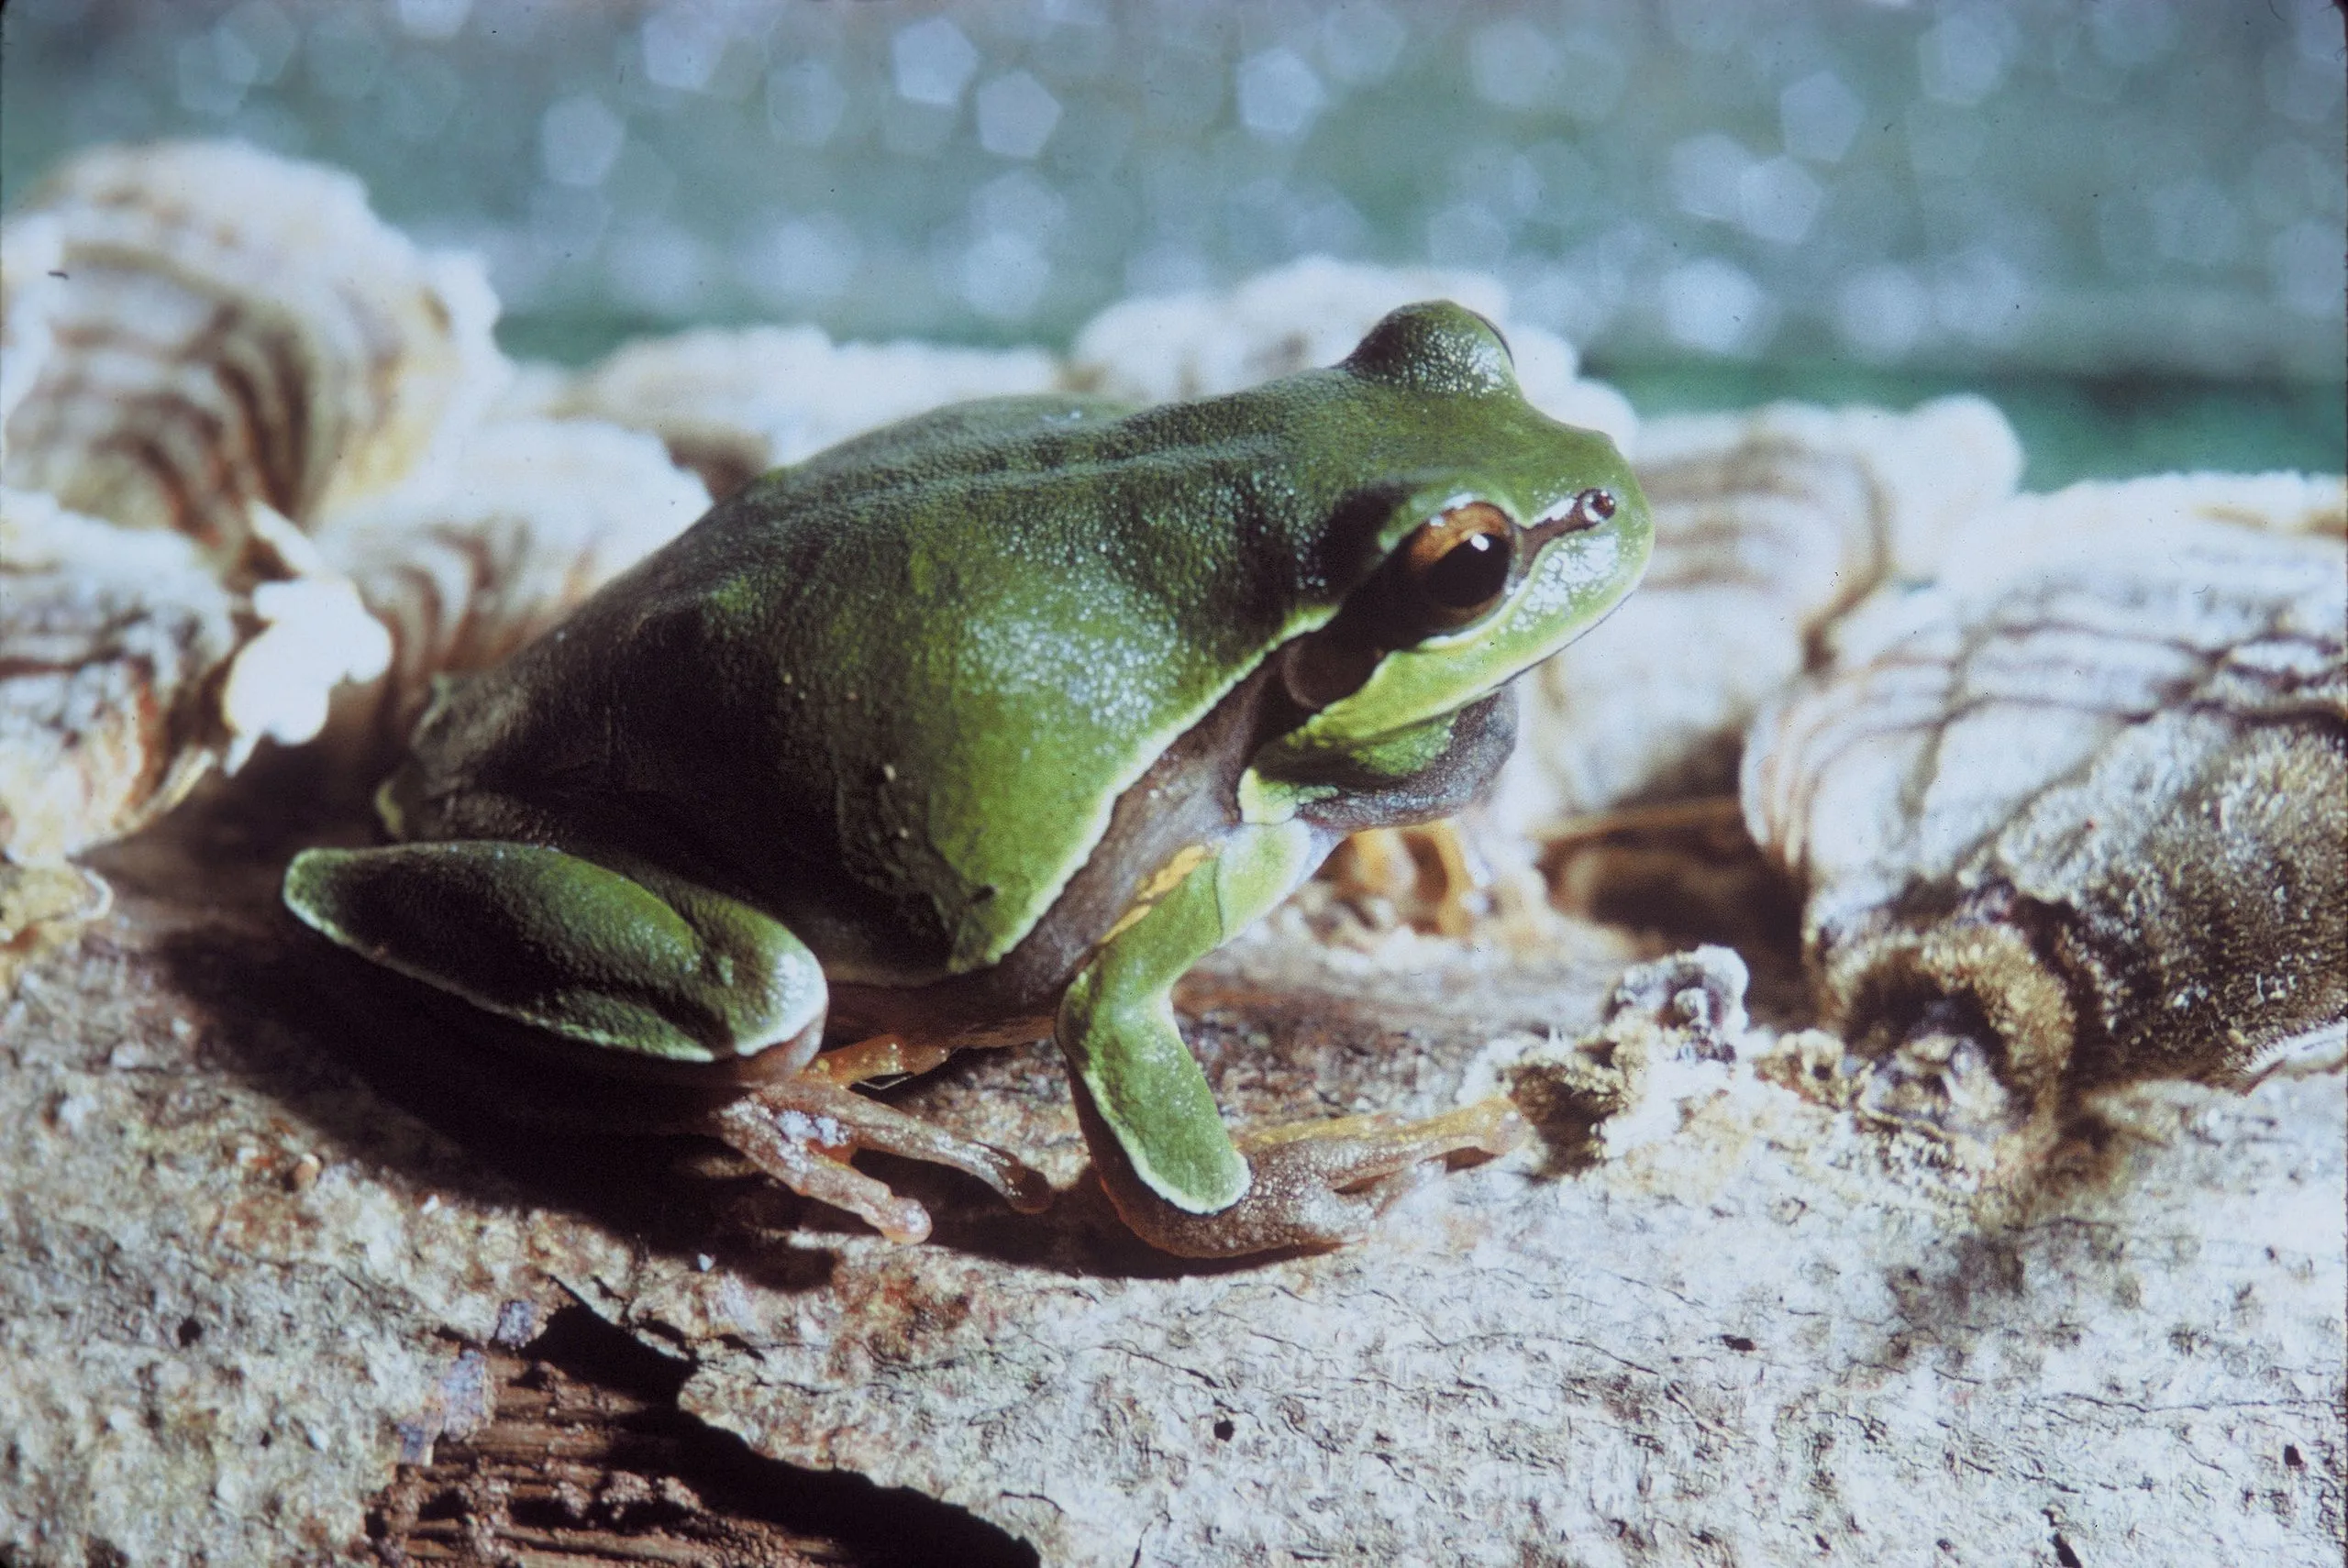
pixel 1458 564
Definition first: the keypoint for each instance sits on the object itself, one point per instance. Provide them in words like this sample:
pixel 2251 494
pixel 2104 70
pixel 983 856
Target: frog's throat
pixel 1433 769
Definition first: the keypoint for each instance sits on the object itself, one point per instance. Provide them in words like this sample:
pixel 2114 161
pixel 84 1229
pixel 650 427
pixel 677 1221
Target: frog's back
pixel 891 694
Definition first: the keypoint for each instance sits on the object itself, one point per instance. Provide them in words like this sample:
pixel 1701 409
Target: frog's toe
pixel 1376 1161
pixel 809 1155
pixel 891 1131
pixel 1353 1153
pixel 801 1132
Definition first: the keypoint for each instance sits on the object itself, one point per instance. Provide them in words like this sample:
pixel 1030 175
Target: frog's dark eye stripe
pixel 1449 573
pixel 1458 564
pixel 1587 510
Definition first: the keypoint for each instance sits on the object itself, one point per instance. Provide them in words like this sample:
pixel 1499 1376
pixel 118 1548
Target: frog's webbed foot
pixel 1311 1184
pixel 802 1131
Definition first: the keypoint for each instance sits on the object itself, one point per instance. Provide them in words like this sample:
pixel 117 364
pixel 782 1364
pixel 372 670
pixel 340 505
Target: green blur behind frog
pixel 991 714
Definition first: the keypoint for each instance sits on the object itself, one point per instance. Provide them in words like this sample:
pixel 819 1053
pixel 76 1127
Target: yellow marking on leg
pixel 1162 881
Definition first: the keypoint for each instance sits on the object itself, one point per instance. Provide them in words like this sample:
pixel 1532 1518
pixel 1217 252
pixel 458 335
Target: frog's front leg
pixel 1151 1123
pixel 654 969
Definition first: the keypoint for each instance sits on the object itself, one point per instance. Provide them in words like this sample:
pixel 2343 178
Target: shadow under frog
pixel 335 1041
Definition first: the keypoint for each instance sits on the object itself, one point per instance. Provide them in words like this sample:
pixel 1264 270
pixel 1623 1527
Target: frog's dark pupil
pixel 1469 573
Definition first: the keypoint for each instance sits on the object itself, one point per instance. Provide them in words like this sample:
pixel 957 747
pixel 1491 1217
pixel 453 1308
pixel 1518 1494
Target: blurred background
pixel 2123 219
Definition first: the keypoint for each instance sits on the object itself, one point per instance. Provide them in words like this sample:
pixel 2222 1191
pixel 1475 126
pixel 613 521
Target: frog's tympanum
pixel 989 725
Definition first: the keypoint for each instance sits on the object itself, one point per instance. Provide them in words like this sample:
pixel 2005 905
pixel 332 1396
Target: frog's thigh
pixel 1117 1022
pixel 646 963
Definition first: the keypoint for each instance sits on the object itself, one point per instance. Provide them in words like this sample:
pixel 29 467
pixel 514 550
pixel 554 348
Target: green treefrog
pixel 989 724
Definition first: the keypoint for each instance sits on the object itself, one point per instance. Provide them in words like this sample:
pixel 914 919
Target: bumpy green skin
pixel 886 700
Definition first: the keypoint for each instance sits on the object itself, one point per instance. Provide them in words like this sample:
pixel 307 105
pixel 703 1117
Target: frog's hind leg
pixel 611 953
pixel 803 1130
pixel 662 972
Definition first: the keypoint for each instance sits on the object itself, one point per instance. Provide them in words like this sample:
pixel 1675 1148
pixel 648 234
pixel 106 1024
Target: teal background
pixel 2123 219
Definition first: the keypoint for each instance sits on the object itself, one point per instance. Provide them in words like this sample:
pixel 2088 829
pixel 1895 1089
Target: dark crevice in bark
pixel 586 1458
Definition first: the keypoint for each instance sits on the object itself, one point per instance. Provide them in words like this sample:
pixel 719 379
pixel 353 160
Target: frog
pixel 985 727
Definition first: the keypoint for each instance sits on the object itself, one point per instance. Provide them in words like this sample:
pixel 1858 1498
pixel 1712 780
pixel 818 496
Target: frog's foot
pixel 802 1131
pixel 1315 1183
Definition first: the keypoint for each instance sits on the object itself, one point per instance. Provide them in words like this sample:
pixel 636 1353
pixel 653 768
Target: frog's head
pixel 1500 536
